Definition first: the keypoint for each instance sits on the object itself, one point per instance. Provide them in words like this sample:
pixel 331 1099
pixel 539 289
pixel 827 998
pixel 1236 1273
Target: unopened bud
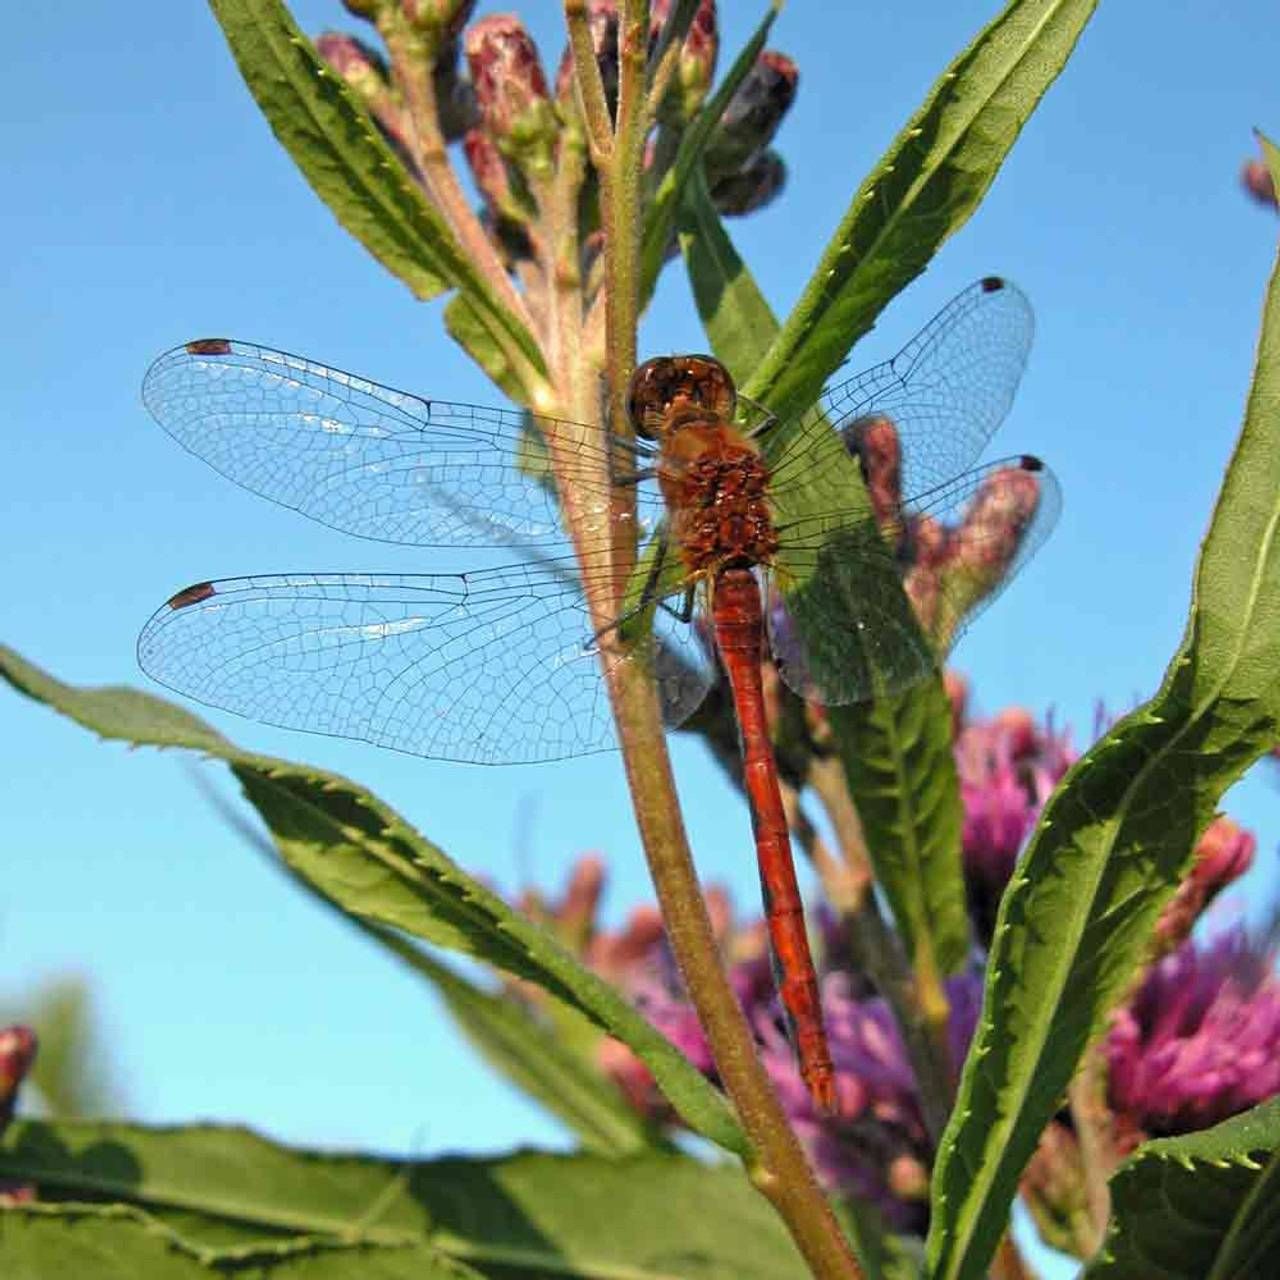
pixel 696 62
pixel 442 17
pixel 751 188
pixel 1223 854
pixel 582 897
pixel 874 441
pixel 17 1053
pixel 991 532
pixel 1255 177
pixel 754 112
pixel 511 92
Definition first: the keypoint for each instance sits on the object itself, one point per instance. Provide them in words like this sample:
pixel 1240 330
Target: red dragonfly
pixel 502 664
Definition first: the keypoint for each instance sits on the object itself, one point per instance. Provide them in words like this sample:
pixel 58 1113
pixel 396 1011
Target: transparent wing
pixel 497 666
pixel 954 550
pixel 946 391
pixel 371 460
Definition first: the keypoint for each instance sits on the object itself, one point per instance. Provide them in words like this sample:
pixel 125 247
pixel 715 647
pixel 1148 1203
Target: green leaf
pixel 359 852
pixel 1114 842
pixel 895 748
pixel 930 180
pixel 468 328
pixel 897 754
pixel 340 152
pixel 1205 1206
pixel 735 314
pixel 115 1242
pixel 651 1216
pixel 660 215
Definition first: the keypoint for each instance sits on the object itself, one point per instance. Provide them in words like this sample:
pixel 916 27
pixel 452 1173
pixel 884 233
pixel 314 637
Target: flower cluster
pixel 524 138
pixel 1198 1041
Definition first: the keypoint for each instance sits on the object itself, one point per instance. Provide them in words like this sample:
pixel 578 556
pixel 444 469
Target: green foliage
pixel 1114 842
pixel 924 188
pixel 1204 1206
pixel 340 152
pixel 652 1217
pixel 115 1242
pixel 362 855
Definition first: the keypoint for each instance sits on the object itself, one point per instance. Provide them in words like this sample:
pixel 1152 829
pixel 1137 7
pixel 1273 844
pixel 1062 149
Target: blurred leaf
pixel 924 188
pixel 660 213
pixel 652 1216
pixel 359 852
pixel 467 327
pixel 1205 1206
pixel 536 1059
pixel 1114 842
pixel 114 1242
pixel 533 1055
pixel 338 148
pixel 895 748
pixel 72 1066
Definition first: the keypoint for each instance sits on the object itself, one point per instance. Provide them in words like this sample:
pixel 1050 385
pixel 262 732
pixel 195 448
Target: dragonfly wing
pixel 839 625
pixel 371 460
pixel 945 392
pixel 874 608
pixel 496 666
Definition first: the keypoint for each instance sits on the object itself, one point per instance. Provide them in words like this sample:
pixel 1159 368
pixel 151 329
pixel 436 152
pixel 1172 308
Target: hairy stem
pixel 411 60
pixel 779 1168
pixel 1091 1118
pixel 777 1164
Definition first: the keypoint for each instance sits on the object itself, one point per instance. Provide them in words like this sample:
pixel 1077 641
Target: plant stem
pixel 778 1167
pixel 1091 1118
pixel 412 62
pixel 776 1164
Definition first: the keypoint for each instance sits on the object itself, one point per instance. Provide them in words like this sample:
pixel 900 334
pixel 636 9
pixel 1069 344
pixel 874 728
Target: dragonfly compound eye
pixel 669 390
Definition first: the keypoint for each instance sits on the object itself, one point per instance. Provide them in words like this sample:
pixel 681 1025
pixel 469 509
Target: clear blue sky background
pixel 146 202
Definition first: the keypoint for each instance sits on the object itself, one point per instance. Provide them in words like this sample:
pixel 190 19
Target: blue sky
pixel 147 202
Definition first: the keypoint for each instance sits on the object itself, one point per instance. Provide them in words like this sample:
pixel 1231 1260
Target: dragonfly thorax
pixel 716 486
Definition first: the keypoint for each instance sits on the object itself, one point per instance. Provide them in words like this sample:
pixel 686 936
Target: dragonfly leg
pixel 685 612
pixel 643 601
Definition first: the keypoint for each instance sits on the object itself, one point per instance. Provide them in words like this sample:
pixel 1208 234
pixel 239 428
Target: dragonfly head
pixel 668 391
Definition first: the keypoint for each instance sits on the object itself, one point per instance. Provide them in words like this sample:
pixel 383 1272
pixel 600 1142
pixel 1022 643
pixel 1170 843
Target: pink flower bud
pixel 1223 854
pixel 696 65
pixel 511 92
pixel 1255 177
pixel 17 1053
pixel 874 441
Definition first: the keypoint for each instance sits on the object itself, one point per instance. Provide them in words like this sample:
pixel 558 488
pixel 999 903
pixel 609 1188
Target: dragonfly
pixel 743 524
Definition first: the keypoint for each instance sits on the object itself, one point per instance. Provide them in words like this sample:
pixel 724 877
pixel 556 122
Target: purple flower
pixel 876 1148
pixel 1200 1041
pixel 1008 766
